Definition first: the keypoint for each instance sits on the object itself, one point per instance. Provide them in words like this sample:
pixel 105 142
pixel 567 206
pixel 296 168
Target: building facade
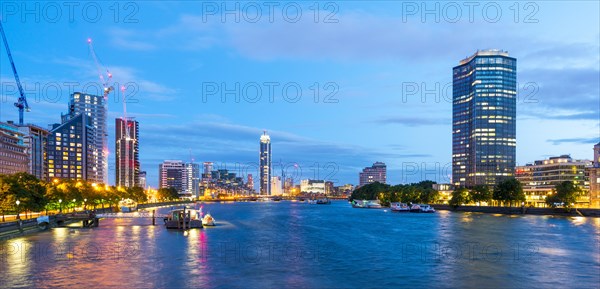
pixel 170 175
pixel 13 150
pixel 143 180
pixel 539 178
pixel 312 187
pixel 94 106
pixel 127 173
pixel 35 139
pixel 72 149
pixel 265 164
pixel 276 186
pixel 191 180
pixel 594 173
pixel 375 173
pixel 484 102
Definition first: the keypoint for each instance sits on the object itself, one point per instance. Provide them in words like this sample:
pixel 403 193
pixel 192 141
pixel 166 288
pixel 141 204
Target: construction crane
pixel 21 103
pixel 128 123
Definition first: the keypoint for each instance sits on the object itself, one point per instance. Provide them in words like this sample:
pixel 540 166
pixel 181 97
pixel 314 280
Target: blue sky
pixel 368 54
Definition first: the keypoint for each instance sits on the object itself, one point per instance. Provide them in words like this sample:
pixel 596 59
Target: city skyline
pixel 379 96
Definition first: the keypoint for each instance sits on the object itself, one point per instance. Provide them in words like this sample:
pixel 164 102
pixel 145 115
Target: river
pixel 297 245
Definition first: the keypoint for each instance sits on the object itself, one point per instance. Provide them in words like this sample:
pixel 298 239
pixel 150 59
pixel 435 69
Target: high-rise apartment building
pixel 94 106
pixel 127 161
pixel 484 101
pixel 191 179
pixel 265 164
pixel 143 180
pixel 375 173
pixel 170 175
pixel 72 149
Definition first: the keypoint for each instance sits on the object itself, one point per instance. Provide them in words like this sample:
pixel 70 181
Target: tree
pixel 481 193
pixel 167 194
pixel 460 196
pixel 369 192
pixel 565 193
pixel 509 190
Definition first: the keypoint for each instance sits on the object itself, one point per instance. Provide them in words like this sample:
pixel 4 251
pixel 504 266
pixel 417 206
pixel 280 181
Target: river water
pixel 297 245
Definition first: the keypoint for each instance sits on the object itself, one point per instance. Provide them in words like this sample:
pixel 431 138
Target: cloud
pixel 581 140
pixel 414 121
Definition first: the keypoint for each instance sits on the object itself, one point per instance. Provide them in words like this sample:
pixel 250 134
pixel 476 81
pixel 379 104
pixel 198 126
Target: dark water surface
pixel 291 244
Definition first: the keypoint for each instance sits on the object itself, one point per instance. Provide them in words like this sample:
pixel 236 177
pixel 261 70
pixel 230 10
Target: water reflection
pixel 287 244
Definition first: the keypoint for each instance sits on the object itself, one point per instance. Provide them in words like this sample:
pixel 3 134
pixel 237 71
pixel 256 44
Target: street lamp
pixel 18 202
pixel 60 205
pixel 74 204
pixel 84 200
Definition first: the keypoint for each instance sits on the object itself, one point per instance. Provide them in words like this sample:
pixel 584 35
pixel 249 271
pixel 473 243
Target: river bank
pixel 522 210
pixel 9 230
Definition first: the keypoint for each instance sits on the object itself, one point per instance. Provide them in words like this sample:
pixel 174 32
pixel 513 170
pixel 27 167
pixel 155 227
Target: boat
pixel 399 207
pixel 366 204
pixel 323 201
pixel 183 218
pixel 427 209
pixel 127 205
pixel 277 199
pixel 208 220
pixel 415 208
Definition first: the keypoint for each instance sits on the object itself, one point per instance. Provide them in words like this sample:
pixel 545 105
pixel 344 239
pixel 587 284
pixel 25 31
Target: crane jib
pixel 22 101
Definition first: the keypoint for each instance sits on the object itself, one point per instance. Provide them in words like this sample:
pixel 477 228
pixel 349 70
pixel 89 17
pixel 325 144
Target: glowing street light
pixel 18 202
pixel 60 205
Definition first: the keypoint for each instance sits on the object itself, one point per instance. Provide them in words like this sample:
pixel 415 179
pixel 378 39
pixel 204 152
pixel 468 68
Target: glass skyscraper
pixel 265 164
pixel 484 105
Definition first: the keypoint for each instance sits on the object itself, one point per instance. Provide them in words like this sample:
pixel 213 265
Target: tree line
pixel 508 192
pixel 35 195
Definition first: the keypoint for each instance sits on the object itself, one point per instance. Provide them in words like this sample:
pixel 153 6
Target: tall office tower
pixel 191 179
pixel 276 189
pixel 375 173
pixel 208 167
pixel 143 181
pixel 484 110
pixel 94 106
pixel 72 149
pixel 35 139
pixel 127 161
pixel 170 175
pixel 265 164
pixel 13 151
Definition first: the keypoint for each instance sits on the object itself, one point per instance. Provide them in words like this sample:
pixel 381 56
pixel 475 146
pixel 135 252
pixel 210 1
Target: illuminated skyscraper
pixel 265 164
pixel 375 173
pixel 484 91
pixel 94 106
pixel 127 161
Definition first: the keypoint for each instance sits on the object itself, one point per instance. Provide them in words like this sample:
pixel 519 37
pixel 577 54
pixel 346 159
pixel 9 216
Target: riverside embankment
pixel 581 212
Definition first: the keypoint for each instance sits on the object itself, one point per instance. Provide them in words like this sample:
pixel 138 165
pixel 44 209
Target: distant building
pixel 444 192
pixel 127 158
pixel 484 102
pixel 35 139
pixel 375 173
pixel 345 189
pixel 191 180
pixel 276 189
pixel 265 164
pixel 594 173
pixel 170 175
pixel 143 182
pixel 13 151
pixel 540 178
pixel 312 187
pixel 250 182
pixel 72 150
pixel 329 188
pixel 95 107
